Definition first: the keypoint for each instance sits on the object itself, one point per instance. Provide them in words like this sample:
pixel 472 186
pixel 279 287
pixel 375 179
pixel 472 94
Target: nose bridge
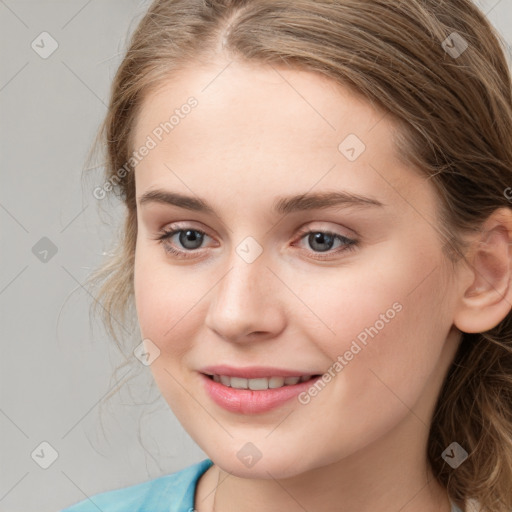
pixel 247 266
pixel 243 301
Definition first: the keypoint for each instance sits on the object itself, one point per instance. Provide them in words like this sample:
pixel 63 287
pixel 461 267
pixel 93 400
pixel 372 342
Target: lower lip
pixel 247 401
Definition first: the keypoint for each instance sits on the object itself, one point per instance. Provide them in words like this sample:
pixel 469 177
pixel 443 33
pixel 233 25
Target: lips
pixel 251 401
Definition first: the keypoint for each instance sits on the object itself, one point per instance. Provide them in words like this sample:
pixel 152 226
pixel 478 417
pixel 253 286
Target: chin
pixel 277 465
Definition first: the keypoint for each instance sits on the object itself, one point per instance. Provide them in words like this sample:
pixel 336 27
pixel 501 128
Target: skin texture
pixel 259 133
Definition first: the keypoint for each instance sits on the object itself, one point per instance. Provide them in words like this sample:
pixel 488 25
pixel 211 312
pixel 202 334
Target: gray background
pixel 56 364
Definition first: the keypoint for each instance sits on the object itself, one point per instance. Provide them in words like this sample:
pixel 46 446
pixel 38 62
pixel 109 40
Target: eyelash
pixel 350 244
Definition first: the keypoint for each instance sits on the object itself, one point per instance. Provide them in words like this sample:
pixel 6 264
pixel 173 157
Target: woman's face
pixel 366 299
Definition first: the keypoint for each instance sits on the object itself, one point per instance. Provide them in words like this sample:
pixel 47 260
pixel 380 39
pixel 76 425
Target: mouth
pixel 259 383
pixel 256 395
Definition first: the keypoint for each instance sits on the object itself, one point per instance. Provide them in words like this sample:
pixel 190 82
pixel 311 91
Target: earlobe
pixel 487 300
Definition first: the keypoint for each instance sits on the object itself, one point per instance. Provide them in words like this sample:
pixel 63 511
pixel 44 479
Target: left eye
pixel 317 239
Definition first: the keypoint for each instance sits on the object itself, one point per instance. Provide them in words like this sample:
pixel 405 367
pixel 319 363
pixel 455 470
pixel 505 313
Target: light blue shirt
pixel 169 493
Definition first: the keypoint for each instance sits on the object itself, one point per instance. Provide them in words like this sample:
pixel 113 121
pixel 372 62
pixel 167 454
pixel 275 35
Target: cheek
pixel 165 307
pixel 390 328
pixel 166 298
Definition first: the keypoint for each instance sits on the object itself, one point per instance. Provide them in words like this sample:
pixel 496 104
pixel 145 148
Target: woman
pixel 317 244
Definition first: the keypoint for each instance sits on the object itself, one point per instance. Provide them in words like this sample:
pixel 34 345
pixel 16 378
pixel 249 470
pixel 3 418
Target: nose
pixel 245 304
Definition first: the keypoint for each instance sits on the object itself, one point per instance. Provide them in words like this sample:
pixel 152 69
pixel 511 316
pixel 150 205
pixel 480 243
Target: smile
pixel 261 383
pixel 257 395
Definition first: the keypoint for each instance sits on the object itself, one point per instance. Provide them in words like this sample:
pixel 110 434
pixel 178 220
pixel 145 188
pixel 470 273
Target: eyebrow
pixel 282 205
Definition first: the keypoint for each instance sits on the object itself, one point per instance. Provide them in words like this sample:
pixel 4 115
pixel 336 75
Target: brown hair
pixel 455 117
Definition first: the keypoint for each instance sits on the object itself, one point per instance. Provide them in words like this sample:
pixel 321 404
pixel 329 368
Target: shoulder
pixel 176 489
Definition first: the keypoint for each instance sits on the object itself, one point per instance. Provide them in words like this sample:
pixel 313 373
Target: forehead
pixel 253 124
pixel 258 99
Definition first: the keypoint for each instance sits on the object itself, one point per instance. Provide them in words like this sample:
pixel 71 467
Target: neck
pixel 293 495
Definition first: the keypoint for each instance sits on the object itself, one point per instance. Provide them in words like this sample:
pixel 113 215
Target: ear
pixel 488 298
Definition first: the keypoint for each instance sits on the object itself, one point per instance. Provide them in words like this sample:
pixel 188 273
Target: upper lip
pixel 254 372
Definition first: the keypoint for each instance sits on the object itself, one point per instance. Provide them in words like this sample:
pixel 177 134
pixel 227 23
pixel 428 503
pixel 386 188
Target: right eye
pixel 188 237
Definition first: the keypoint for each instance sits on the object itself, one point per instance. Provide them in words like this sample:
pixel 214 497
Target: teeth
pixel 260 383
pixel 275 382
pixel 257 384
pixel 238 382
